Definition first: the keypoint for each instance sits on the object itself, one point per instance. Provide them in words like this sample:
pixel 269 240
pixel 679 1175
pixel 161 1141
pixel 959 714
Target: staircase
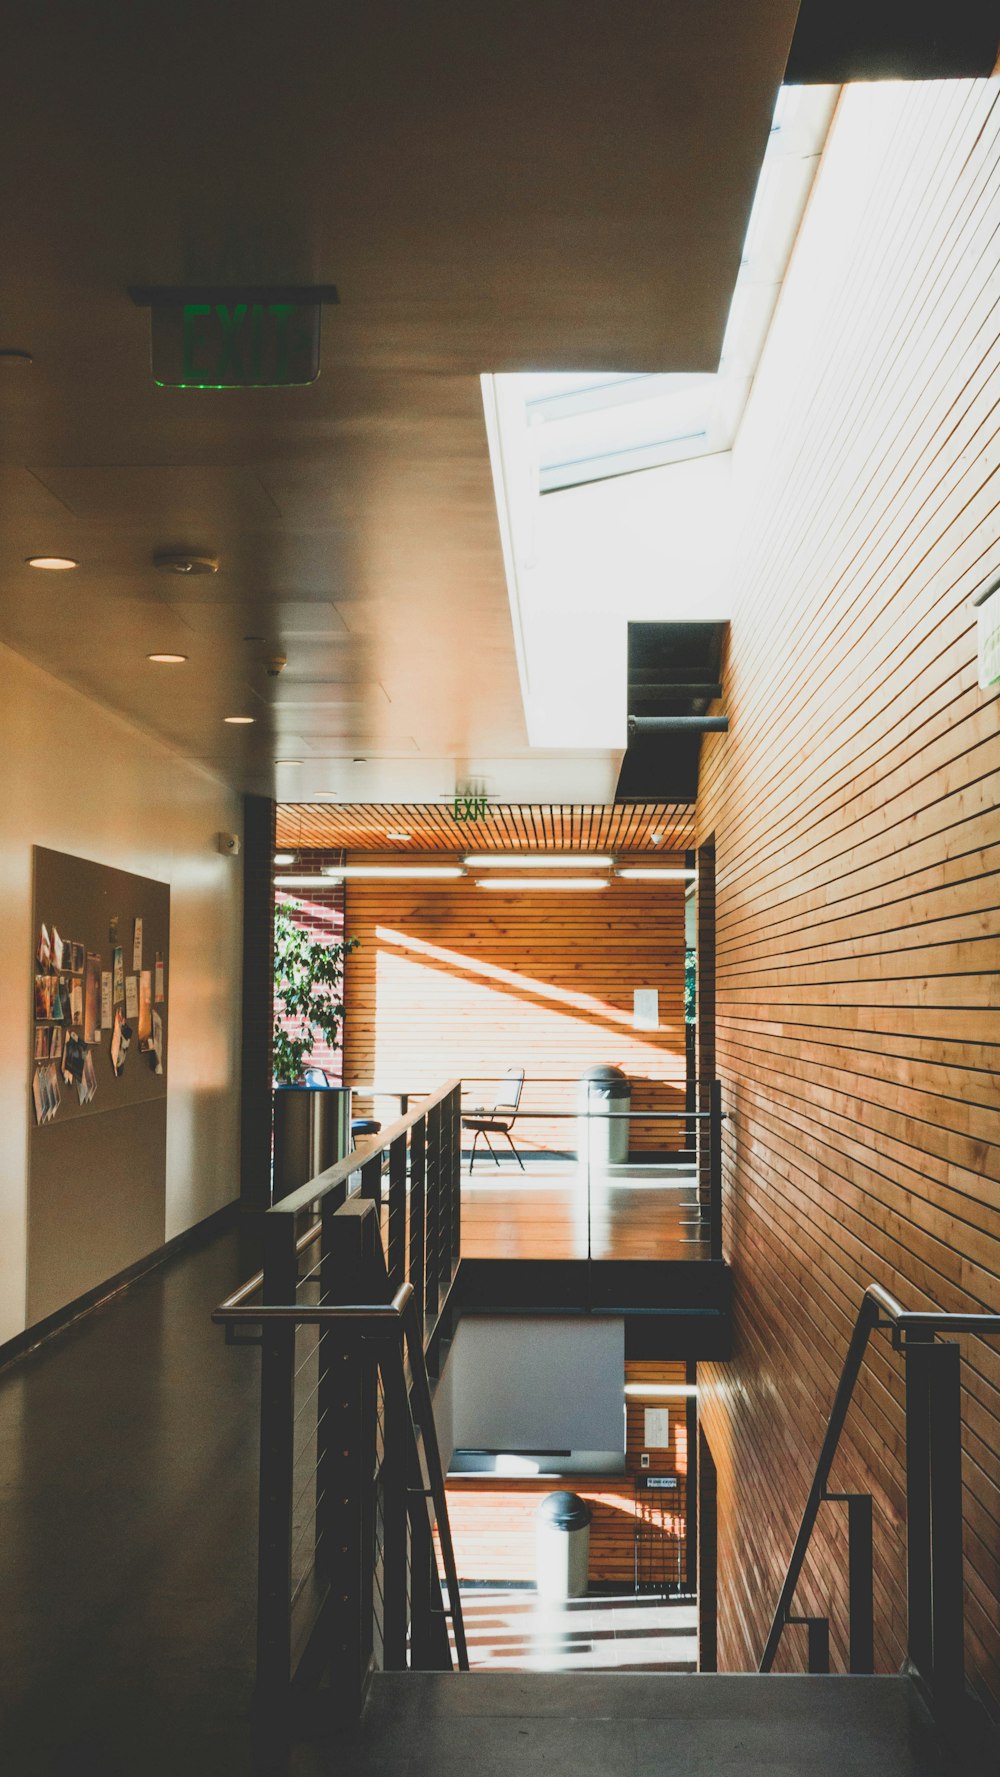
pixel 439 1724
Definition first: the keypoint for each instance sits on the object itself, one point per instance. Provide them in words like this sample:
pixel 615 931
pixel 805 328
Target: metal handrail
pixel 878 1310
pixel 342 1170
pixel 400 1313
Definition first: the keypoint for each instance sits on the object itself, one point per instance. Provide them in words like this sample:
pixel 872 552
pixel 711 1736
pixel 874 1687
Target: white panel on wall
pixel 523 1382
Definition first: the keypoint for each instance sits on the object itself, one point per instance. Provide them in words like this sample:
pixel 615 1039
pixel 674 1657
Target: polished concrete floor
pixel 554 1210
pixel 128 1502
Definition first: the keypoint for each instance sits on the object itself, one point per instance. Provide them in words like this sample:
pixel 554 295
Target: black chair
pixel 500 1120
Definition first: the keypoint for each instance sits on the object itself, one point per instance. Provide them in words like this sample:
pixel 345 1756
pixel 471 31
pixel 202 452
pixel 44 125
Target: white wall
pixel 538 1382
pixel 80 780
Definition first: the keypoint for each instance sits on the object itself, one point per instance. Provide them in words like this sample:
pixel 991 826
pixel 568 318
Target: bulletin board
pixel 97 1077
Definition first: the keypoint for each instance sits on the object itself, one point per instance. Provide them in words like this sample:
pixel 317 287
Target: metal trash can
pixel 311 1132
pixel 604 1140
pixel 562 1546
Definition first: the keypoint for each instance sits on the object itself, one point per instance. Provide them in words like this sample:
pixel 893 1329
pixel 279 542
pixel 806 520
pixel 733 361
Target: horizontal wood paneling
pixel 854 811
pixel 452 979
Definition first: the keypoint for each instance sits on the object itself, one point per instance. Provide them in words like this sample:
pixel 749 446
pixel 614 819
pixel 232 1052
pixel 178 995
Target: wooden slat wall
pixel 452 979
pixel 853 806
pixel 493 1521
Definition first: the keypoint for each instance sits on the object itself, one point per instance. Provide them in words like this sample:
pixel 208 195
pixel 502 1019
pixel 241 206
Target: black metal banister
pixel 935 1629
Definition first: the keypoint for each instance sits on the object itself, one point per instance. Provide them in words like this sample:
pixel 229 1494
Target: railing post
pixel 819 1644
pixel 432 1271
pixel 860 1581
pixel 396 1244
pixel 418 1216
pixel 347 1456
pixel 395 1426
pixel 947 1579
pixel 277 1446
pixel 715 1170
pixel 918 1507
pixel 455 1173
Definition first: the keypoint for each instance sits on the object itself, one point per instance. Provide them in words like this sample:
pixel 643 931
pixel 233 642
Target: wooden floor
pixel 547 1212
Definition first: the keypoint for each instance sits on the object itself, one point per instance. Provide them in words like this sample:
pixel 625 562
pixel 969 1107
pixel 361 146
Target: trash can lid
pixel 565 1510
pixel 609 1080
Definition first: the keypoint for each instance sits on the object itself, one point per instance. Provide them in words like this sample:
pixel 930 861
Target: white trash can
pixel 601 1139
pixel 562 1546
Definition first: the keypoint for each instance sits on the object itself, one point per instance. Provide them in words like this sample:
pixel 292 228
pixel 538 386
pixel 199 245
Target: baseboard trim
pixel 43 1330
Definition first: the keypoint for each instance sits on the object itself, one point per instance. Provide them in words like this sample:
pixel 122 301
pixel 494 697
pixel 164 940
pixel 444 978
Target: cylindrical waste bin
pixel 562 1546
pixel 603 1140
pixel 311 1132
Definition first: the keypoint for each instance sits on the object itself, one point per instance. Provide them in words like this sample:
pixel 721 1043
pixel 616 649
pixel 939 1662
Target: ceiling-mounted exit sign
pixel 217 337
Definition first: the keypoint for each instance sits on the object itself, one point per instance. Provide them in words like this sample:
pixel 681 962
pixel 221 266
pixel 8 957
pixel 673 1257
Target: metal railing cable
pixel 934 1518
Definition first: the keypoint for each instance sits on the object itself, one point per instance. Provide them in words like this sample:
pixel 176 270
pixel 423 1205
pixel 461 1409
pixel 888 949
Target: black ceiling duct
pixel 673 676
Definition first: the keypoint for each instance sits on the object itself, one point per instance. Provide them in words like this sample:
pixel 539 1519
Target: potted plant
pixel 311 1122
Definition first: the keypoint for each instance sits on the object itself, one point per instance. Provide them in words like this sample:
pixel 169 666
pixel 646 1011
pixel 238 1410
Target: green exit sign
pixel 261 337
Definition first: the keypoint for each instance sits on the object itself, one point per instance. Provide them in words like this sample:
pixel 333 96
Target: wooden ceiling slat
pixel 506 827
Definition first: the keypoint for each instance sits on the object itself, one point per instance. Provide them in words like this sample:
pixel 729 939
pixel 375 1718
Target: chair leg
pixel 513 1150
pixel 492 1149
pixel 472 1156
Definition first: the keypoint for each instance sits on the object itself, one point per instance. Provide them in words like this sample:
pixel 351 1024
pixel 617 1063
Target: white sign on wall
pixel 988 627
pixel 657 1428
pixel 645 1009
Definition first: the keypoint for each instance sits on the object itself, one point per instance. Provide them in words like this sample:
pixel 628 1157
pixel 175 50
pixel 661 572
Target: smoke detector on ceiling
pixel 182 561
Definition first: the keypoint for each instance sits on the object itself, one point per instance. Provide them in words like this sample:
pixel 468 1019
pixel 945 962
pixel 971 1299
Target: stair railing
pixel 934 1514
pixel 351 1477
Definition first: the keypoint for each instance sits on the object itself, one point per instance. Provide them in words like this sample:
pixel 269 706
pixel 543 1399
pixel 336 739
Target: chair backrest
pixel 509 1092
pixel 316 1076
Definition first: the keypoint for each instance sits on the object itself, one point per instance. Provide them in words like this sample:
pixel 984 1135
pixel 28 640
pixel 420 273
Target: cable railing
pixel 349 1310
pixel 934 1509
pixel 571 1175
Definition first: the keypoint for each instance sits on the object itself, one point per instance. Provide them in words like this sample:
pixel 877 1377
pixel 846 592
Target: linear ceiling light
pixel 542 882
pixel 427 871
pixel 658 875
pixel 662 1390
pixel 312 881
pixel 536 860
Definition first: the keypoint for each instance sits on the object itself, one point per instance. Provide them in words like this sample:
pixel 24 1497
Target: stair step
pixel 638 1725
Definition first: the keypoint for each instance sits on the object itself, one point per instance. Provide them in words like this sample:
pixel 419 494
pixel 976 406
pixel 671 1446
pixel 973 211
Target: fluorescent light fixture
pixel 239 721
pixel 401 838
pixel 542 882
pixel 284 857
pixel 167 659
pixel 662 1391
pixel 313 881
pixel 288 761
pixel 424 871
pixel 536 860
pixel 53 564
pixel 655 875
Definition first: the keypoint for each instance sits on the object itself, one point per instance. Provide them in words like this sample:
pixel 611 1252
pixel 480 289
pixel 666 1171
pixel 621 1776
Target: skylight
pixel 590 425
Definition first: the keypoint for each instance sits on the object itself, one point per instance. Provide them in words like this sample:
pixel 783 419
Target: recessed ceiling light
pixel 288 761
pixel 359 761
pixel 167 659
pixel 54 564
pixel 239 721
pixel 401 838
